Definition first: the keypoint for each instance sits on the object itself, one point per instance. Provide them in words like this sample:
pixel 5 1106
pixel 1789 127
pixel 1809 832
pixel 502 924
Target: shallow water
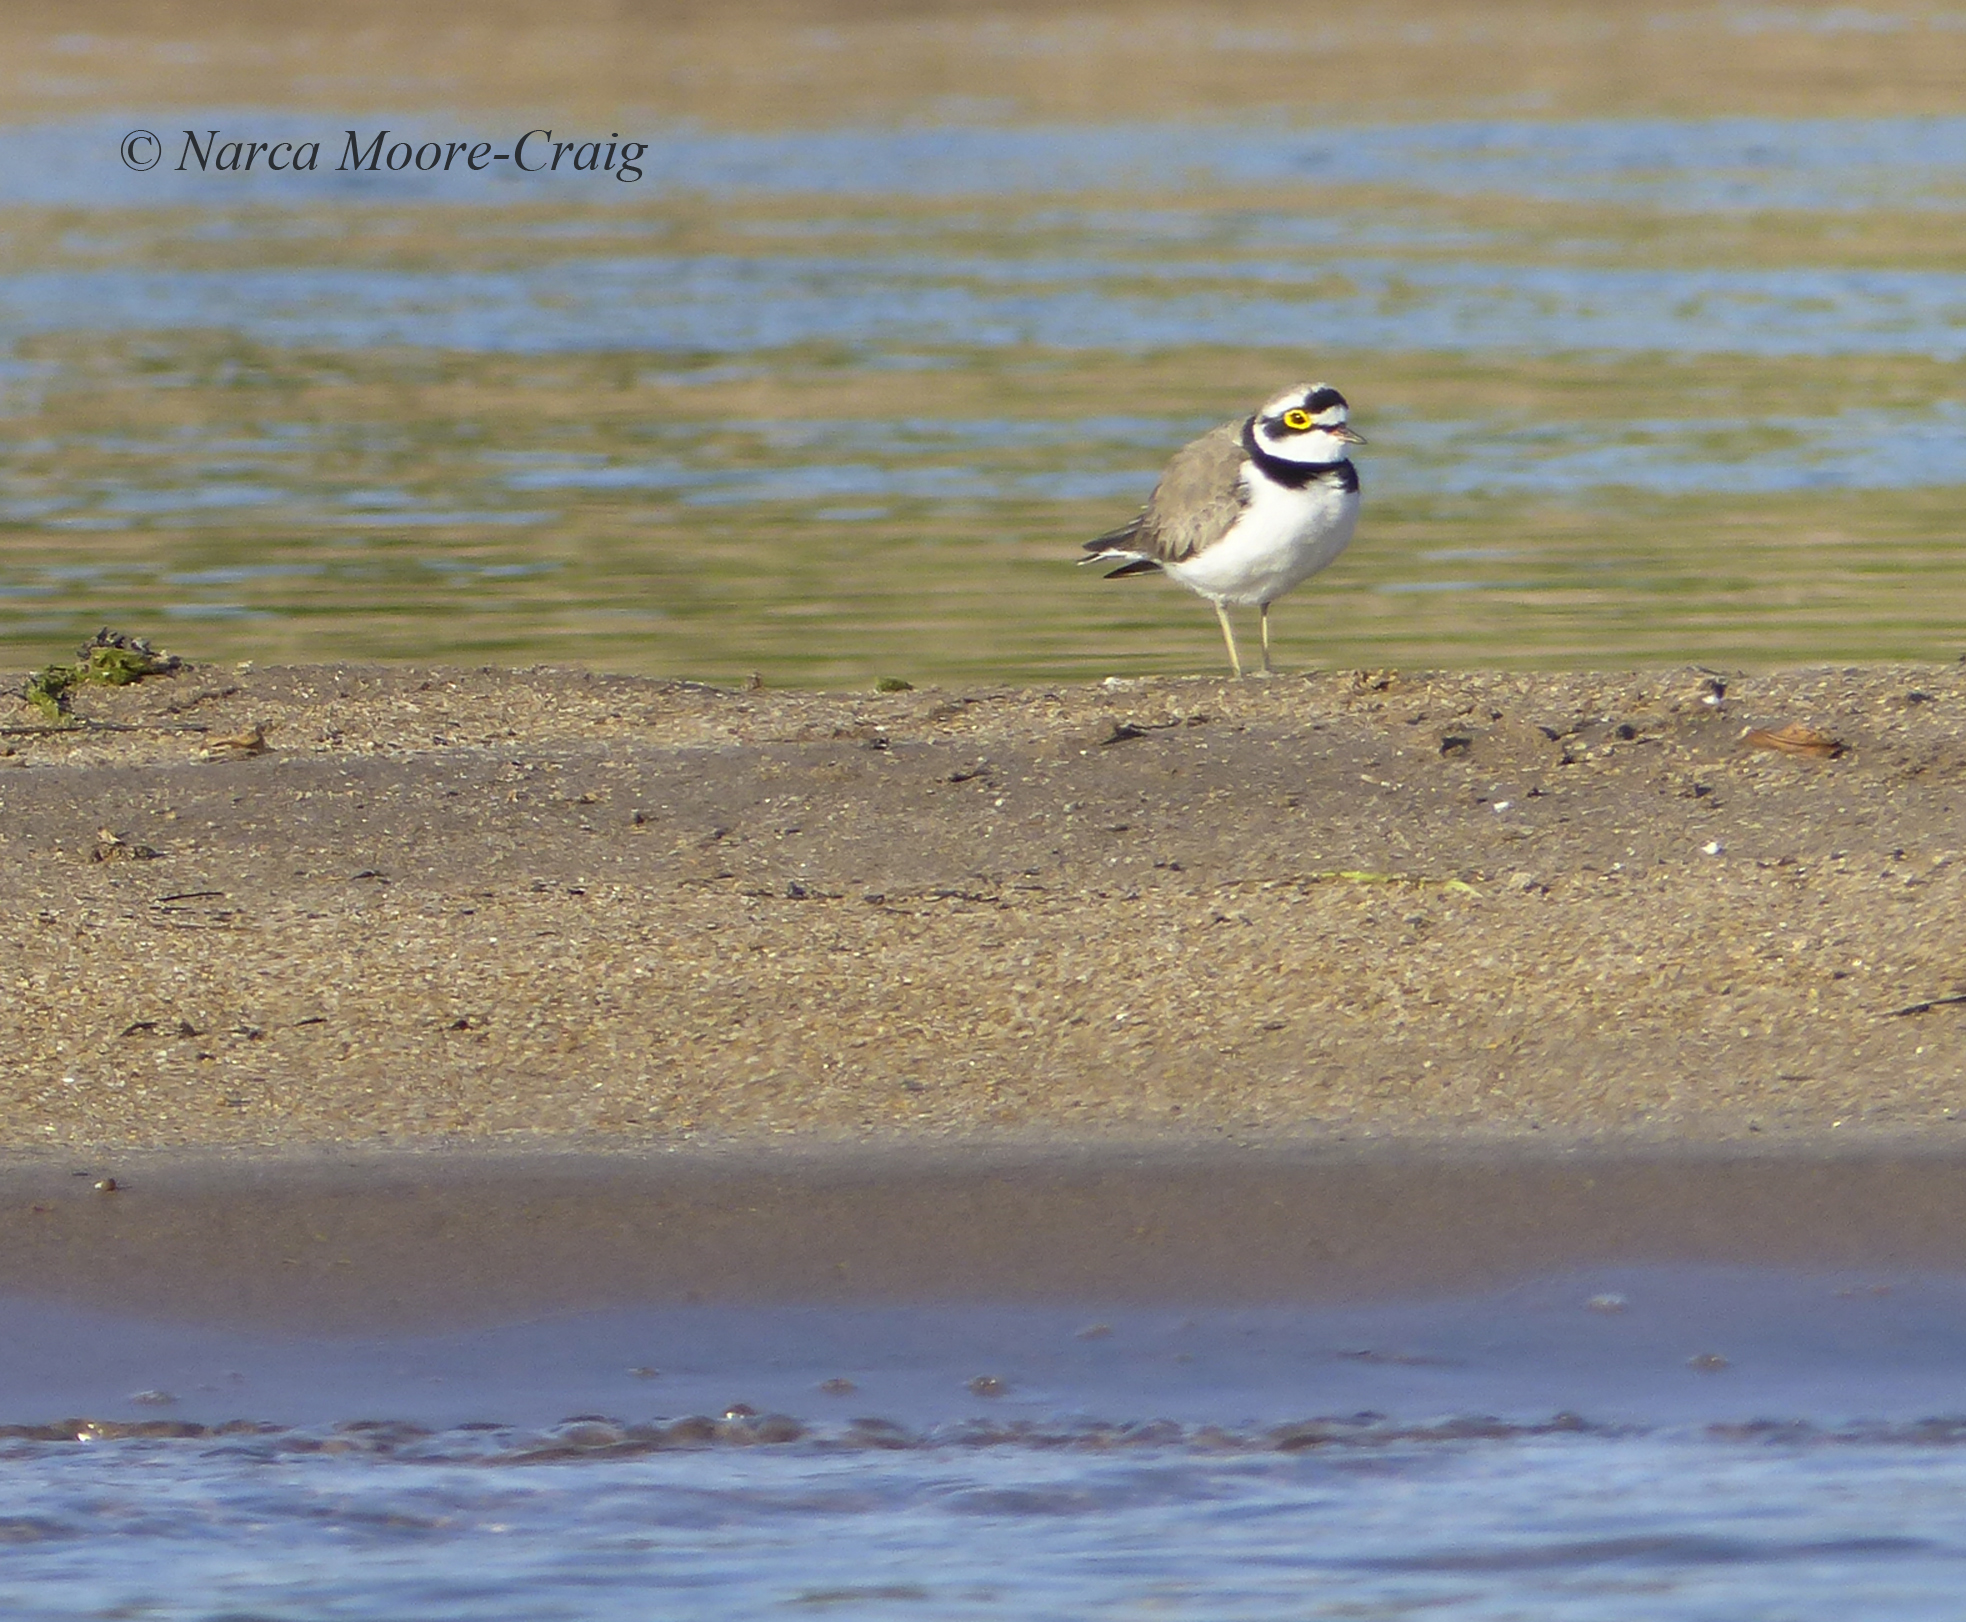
pixel 1634 1528
pixel 1690 163
pixel 841 403
pixel 1620 1443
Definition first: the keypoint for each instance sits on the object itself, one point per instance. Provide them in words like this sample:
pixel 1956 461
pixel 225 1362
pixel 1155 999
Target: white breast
pixel 1283 538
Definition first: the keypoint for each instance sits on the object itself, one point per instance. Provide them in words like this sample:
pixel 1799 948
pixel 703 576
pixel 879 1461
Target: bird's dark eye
pixel 1297 420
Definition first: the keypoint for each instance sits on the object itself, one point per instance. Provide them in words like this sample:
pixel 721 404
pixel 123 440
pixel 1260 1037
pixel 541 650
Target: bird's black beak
pixel 1344 433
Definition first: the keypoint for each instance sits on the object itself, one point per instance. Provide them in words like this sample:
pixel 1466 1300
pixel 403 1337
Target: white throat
pixel 1312 448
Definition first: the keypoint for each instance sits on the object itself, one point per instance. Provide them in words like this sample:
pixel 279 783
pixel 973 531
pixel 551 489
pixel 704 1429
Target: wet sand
pixel 419 1244
pixel 557 908
pixel 991 1290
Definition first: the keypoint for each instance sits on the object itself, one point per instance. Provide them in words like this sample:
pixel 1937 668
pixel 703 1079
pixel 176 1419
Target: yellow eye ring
pixel 1297 420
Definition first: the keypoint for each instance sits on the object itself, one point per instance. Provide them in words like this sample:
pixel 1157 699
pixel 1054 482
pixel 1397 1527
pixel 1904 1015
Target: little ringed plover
pixel 1248 511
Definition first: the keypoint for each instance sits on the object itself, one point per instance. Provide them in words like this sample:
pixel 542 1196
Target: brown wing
pixel 1198 499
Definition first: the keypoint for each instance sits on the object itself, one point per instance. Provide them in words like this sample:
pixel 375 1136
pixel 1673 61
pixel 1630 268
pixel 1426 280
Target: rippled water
pixel 725 304
pixel 1696 163
pixel 1656 389
pixel 1639 1528
pixel 1641 1444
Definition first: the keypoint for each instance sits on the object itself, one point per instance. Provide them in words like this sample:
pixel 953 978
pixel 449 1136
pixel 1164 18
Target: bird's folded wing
pixel 1197 501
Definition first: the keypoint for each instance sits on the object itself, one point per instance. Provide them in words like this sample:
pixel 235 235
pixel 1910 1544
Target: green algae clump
pixel 107 659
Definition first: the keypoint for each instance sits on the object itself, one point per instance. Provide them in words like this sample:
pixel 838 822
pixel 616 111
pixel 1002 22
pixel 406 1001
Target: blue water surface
pixel 1635 1445
pixel 1716 163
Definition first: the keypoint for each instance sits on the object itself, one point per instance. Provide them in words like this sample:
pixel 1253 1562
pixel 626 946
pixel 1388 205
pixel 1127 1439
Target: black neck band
pixel 1293 475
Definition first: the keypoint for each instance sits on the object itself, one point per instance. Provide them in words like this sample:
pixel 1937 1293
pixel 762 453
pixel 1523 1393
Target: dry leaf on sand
pixel 1794 739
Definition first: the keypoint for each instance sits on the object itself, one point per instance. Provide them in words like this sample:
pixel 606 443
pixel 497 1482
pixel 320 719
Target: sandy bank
pixel 457 906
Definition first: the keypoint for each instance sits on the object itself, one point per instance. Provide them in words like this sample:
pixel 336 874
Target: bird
pixel 1250 510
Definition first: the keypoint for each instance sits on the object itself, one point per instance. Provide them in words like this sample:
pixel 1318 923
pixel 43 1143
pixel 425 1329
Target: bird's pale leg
pixel 1268 668
pixel 1229 636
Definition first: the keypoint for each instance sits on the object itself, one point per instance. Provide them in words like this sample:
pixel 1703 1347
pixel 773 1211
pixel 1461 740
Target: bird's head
pixel 1305 424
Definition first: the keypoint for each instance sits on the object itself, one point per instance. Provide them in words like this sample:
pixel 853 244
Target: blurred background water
pixel 1653 317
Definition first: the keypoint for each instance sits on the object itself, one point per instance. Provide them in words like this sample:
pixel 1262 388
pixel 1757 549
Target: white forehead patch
pixel 1289 400
pixel 1330 411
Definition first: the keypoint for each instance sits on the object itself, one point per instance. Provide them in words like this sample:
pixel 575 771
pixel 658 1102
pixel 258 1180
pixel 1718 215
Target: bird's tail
pixel 1121 546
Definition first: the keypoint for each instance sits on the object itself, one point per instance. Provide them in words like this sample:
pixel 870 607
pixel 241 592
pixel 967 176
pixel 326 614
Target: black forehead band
pixel 1322 400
